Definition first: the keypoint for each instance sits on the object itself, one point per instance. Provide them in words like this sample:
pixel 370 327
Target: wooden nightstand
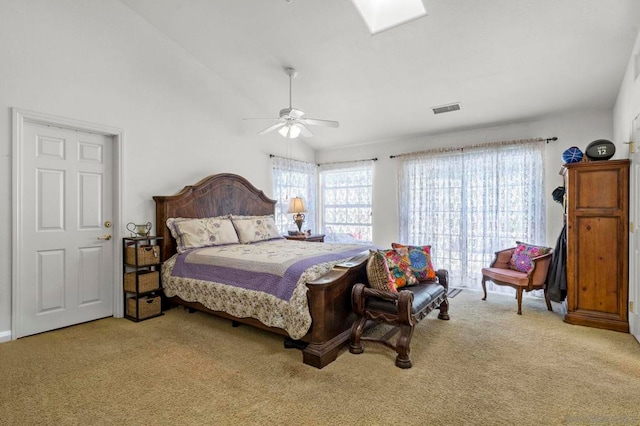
pixel 314 238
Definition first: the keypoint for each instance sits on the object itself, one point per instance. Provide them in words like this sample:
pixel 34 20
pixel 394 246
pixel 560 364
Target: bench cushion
pixel 423 294
pixel 506 275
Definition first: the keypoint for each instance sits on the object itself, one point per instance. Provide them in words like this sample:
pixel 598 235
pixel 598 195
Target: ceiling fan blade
pixel 272 128
pixel 270 119
pixel 305 132
pixel 318 122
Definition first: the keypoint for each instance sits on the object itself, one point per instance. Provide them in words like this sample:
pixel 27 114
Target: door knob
pixel 105 237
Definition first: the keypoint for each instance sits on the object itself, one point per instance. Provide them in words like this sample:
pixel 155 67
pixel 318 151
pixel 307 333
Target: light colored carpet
pixel 485 366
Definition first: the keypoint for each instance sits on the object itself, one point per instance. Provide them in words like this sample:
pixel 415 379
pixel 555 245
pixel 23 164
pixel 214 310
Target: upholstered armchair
pixel 531 276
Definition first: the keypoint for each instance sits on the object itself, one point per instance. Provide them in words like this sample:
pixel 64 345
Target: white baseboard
pixel 5 336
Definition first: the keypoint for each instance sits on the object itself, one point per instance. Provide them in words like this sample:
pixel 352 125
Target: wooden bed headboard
pixel 216 195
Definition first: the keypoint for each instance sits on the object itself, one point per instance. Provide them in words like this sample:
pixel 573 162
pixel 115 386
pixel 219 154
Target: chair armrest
pixel 502 258
pixel 403 301
pixel 443 278
pixel 360 292
pixel 539 268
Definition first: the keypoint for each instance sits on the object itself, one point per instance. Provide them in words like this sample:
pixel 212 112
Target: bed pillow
pixel 252 229
pixel 420 258
pixel 522 255
pixel 203 232
pixel 378 273
pixel 399 267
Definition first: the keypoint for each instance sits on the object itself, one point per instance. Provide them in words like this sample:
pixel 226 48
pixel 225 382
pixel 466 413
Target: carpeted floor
pixel 486 366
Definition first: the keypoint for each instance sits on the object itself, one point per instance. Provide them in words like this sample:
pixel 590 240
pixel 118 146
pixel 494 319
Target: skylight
pixel 381 15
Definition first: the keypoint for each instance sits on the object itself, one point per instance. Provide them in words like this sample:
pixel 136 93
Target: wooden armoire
pixel 597 212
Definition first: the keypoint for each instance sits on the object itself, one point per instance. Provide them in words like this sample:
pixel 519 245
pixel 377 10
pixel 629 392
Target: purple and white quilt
pixel 264 280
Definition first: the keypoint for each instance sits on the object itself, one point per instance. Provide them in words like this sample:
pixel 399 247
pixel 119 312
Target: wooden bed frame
pixel 329 296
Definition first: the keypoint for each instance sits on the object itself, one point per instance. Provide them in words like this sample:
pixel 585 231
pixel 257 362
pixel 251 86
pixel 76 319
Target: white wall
pixel 97 61
pixel 579 129
pixel 626 109
pixel 628 101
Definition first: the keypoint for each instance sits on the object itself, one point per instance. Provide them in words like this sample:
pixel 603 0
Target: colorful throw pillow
pixel 399 267
pixel 252 229
pixel 203 232
pixel 522 255
pixel 420 258
pixel 378 273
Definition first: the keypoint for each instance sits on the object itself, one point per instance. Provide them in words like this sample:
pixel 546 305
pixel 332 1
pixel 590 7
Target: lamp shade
pixel 296 205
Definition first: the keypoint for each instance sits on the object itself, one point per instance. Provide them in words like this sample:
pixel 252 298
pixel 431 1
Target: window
pixel 467 204
pixel 293 178
pixel 345 194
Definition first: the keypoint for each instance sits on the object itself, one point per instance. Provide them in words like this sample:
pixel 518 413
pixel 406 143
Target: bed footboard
pixel 331 313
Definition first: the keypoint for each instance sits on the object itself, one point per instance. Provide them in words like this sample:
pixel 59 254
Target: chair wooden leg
pixel 519 297
pixel 355 345
pixel 403 346
pixel 546 299
pixel 484 288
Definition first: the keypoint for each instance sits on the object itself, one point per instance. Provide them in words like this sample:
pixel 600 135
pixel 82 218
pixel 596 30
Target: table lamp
pixel 296 205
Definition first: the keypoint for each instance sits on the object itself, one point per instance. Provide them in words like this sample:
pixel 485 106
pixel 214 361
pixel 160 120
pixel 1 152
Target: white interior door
pixel 634 246
pixel 65 256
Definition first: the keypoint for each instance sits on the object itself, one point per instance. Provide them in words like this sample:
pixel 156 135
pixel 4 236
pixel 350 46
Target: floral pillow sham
pixel 252 229
pixel 191 233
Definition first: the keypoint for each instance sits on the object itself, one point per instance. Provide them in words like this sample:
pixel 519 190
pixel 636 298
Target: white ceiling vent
pixel 446 108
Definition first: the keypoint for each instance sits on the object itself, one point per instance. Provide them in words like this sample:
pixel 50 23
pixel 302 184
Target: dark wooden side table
pixel 314 238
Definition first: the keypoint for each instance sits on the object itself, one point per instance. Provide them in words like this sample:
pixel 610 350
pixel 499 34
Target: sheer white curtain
pixel 346 197
pixel 469 203
pixel 292 178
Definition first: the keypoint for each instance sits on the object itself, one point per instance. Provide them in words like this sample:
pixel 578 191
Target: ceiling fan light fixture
pixel 290 131
pixel 294 132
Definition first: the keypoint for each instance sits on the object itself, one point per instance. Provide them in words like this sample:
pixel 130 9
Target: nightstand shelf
pixel 142 278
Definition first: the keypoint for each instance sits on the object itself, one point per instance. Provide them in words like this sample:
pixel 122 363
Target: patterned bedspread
pixel 265 280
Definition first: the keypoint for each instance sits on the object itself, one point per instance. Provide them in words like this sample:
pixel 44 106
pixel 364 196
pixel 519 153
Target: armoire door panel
pixel 597 256
pixel 599 196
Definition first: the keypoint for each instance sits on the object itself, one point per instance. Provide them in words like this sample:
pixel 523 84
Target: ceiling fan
pixel 292 123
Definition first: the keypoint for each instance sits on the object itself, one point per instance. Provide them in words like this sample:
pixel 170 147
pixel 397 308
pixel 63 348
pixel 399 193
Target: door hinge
pixel 632 228
pixel 631 306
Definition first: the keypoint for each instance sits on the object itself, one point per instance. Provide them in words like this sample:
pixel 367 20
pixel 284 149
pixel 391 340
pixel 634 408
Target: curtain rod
pixel 461 148
pixel 348 161
pixel 287 158
pixel 321 164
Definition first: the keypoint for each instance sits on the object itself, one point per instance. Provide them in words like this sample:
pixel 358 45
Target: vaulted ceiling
pixel 505 61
